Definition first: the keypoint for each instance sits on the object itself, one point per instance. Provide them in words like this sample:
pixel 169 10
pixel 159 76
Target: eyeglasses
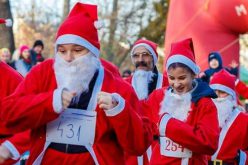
pixel 143 54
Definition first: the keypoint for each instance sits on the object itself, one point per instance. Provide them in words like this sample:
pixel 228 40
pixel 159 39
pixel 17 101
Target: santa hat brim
pixel 224 89
pixel 74 39
pixel 178 58
pixel 149 48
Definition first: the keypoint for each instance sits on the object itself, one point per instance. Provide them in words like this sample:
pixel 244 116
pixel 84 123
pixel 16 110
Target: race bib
pixel 172 149
pixel 73 126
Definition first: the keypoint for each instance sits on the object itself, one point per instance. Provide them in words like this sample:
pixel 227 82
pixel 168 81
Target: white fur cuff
pixel 57 100
pixel 236 82
pixel 117 109
pixel 163 123
pixel 242 157
pixel 14 153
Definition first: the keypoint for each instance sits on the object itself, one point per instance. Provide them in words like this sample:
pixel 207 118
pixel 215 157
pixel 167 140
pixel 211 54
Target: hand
pixel 105 101
pixel 233 64
pixel 202 74
pixel 4 154
pixel 67 97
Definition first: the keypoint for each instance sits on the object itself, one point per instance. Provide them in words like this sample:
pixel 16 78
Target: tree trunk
pixel 112 29
pixel 6 37
pixel 66 9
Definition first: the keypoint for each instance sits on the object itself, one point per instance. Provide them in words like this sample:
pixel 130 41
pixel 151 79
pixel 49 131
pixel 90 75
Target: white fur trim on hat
pixel 149 48
pixel 74 39
pixel 224 89
pixel 178 58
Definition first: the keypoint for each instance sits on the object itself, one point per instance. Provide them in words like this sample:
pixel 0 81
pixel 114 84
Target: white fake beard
pixel 141 80
pixel 178 106
pixel 75 76
pixel 224 107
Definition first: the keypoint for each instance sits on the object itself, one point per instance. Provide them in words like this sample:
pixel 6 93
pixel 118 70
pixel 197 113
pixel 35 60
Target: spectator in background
pixel 36 52
pixel 5 56
pixel 215 65
pixel 39 60
pixel 23 65
pixel 126 73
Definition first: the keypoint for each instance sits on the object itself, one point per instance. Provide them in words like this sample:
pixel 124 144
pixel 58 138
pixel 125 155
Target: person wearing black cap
pixel 215 65
pixel 36 51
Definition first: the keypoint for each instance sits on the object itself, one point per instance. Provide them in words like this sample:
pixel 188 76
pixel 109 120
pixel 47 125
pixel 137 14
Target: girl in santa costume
pixel 184 112
pixel 79 112
pixel 233 143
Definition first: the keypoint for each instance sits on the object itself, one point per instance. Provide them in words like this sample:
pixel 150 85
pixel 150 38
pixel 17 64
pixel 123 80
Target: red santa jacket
pixel 32 107
pixel 234 141
pixel 110 67
pixel 199 133
pixel 9 80
pixel 242 89
pixel 134 160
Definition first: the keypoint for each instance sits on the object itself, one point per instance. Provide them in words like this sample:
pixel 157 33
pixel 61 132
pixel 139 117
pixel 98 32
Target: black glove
pixel 237 158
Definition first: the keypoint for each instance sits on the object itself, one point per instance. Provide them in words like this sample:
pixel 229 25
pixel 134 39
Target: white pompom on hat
pixel 7 22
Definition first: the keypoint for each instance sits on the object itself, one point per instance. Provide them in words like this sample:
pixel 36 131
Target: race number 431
pixel 69 131
pixel 73 127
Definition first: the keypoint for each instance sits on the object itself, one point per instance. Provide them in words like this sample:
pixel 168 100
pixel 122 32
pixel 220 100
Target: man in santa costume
pixel 11 146
pixel 233 143
pixel 79 112
pixel 145 80
pixel 146 77
pixel 185 114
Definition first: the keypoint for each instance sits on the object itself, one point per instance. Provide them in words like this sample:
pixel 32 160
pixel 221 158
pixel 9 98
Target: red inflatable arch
pixel 213 25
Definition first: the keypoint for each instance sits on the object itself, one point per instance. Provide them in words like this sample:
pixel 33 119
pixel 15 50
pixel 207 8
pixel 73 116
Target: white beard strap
pixel 178 106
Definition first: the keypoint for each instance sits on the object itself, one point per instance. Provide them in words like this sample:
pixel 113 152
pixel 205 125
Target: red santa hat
pixel 224 81
pixel 23 48
pixel 149 45
pixel 7 22
pixel 183 52
pixel 80 27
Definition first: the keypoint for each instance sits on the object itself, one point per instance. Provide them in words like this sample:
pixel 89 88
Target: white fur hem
pixel 236 82
pixel 57 100
pixel 117 109
pixel 242 157
pixel 14 153
pixel 163 123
